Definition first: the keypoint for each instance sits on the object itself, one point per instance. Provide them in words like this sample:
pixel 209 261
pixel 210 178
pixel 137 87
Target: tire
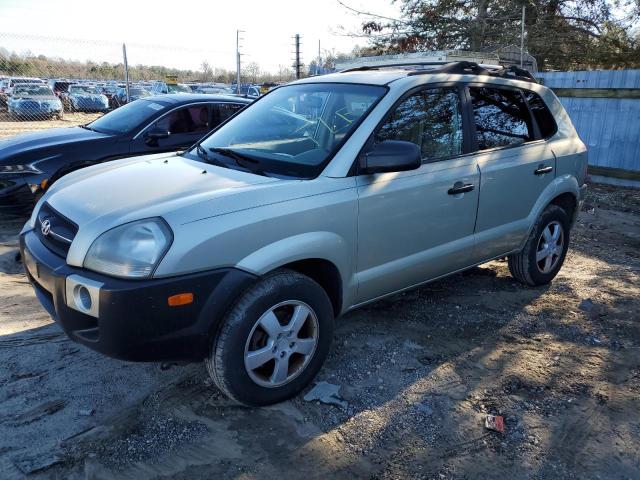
pixel 277 296
pixel 526 266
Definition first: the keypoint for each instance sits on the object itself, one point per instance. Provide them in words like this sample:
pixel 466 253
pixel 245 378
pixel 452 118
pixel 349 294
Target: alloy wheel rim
pixel 281 343
pixel 550 247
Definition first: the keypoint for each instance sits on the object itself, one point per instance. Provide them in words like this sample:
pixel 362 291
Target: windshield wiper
pixel 240 159
pixel 202 153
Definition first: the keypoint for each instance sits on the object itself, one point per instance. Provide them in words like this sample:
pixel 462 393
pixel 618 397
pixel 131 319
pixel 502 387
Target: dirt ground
pixel 417 374
pixel 9 128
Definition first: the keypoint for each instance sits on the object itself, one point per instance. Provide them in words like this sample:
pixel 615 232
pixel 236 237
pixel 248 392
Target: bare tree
pixel 207 72
pixel 251 72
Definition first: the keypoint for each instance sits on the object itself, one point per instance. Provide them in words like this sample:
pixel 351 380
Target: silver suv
pixel 322 196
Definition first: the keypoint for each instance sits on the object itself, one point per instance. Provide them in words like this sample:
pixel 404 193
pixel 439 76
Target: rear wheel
pixel 543 255
pixel 273 341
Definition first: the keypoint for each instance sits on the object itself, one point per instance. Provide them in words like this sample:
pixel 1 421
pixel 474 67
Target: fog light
pixel 82 298
pixel 83 295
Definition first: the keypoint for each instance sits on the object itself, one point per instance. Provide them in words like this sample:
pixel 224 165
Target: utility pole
pixel 238 32
pixel 522 39
pixel 126 70
pixel 298 64
pixel 319 60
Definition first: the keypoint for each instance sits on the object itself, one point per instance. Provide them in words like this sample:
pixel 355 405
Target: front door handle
pixel 541 170
pixel 460 187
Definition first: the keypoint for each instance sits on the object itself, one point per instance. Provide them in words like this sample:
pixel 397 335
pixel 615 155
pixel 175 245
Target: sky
pixel 183 34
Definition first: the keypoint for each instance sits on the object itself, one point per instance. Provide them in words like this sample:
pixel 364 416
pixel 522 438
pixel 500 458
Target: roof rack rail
pixel 473 68
pixel 364 68
pixel 518 73
pixel 462 67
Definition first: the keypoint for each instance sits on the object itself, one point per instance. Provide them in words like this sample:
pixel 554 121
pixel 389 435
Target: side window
pixel 194 119
pixel 501 117
pixel 222 111
pixel 541 113
pixel 432 119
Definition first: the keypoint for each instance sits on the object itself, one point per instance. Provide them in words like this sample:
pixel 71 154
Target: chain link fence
pixel 54 82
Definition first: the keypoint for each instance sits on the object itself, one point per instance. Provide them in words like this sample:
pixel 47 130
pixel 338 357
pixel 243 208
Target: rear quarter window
pixel 542 114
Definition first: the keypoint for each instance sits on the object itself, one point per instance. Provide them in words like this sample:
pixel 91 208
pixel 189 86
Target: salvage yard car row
pixel 34 98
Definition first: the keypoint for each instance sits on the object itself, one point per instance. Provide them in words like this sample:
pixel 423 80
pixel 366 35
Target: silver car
pixel 322 196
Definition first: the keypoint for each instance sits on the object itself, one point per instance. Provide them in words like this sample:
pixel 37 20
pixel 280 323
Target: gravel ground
pixel 416 375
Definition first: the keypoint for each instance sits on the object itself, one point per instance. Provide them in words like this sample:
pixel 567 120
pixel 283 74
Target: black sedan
pixel 30 163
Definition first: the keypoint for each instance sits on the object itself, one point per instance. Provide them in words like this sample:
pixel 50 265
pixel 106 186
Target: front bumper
pixel 35 113
pixel 16 195
pixel 135 321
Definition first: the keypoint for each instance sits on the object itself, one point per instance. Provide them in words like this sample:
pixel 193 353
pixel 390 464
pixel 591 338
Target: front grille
pixel 60 232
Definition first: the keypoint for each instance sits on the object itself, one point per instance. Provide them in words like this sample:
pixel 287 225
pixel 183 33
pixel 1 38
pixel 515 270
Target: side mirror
pixel 156 134
pixel 391 156
pixel 152 136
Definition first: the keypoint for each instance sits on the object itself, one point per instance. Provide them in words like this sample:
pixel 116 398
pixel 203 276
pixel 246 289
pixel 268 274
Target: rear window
pixel 544 118
pixel 501 117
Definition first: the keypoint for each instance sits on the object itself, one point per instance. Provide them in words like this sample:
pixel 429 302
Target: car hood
pixel 180 190
pixel 11 149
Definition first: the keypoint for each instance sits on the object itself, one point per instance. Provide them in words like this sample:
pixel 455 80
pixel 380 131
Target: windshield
pixel 24 80
pixel 127 118
pixel 178 88
pixel 60 86
pixel 138 92
pixel 295 130
pixel 33 90
pixel 82 89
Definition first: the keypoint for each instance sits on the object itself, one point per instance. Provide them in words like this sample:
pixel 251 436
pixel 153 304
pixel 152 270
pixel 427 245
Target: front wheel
pixel 273 341
pixel 543 254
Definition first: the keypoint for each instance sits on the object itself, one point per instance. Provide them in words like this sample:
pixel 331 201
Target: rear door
pixel 516 165
pixel 414 226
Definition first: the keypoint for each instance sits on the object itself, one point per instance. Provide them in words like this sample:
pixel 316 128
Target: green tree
pixel 561 34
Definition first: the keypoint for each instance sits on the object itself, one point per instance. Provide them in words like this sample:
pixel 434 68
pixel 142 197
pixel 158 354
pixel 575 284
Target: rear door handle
pixel 460 187
pixel 541 170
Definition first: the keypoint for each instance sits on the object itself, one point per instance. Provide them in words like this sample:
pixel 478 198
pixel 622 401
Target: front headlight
pixel 19 169
pixel 132 250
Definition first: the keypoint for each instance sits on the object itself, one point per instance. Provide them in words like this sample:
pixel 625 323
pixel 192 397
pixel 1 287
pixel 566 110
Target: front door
pixel 183 127
pixel 418 225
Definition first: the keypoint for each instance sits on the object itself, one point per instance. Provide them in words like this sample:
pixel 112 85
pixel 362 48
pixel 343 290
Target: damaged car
pixel 34 102
pixel 84 98
pixel 243 250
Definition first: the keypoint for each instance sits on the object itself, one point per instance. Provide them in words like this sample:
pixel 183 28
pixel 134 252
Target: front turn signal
pixel 180 299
